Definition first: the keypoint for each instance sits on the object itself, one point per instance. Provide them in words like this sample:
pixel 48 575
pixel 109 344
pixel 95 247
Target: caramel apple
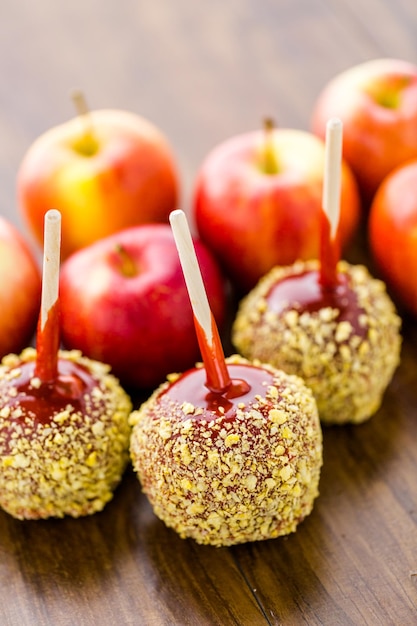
pixel 343 341
pixel 327 321
pixel 64 431
pixel 63 444
pixel 229 451
pixel 225 470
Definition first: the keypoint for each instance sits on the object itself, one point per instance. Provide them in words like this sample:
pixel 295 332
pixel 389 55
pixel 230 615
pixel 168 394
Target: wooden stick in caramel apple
pixel 74 446
pixel 47 337
pixel 220 432
pixel 330 244
pixel 218 379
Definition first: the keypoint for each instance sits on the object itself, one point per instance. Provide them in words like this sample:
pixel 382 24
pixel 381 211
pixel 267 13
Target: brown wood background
pixel 203 72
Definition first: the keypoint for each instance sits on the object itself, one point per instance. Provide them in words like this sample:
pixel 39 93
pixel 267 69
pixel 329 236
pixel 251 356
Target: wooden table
pixel 203 73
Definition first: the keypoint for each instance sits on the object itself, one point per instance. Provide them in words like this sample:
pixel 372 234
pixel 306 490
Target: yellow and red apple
pixel 377 103
pixel 258 202
pixel 105 171
pixel 123 301
pixel 393 233
pixel 20 290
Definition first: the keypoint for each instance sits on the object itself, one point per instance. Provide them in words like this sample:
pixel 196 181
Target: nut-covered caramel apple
pixel 224 468
pixel 229 451
pixel 63 444
pixel 327 321
pixel 64 419
pixel 344 341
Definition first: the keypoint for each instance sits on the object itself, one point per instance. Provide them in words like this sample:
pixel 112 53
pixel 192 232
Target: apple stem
pixel 88 144
pixel 217 375
pixel 270 163
pixel 330 214
pixel 80 103
pixel 47 337
pixel 127 265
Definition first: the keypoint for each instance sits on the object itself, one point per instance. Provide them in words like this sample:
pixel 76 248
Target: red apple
pixel 258 200
pixel 20 289
pixel 377 103
pixel 123 301
pixel 393 233
pixel 104 171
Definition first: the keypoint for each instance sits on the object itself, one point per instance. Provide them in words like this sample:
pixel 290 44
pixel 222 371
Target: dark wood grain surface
pixel 202 73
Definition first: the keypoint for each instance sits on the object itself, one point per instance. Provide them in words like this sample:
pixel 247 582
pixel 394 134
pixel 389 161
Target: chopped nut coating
pixel 348 371
pixel 223 480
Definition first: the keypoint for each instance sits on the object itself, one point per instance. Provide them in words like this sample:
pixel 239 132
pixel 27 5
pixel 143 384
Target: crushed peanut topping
pixel 71 463
pixel 224 481
pixel 347 371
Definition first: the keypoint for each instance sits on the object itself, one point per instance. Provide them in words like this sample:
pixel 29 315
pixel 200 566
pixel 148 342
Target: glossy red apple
pixel 393 233
pixel 377 103
pixel 20 289
pixel 123 301
pixel 258 200
pixel 104 171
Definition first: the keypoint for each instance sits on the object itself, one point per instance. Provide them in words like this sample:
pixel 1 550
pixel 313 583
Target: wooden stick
pixel 332 173
pixel 47 338
pixel 218 379
pixel 51 263
pixel 330 247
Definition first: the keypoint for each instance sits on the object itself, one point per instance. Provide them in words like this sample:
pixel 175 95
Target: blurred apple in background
pixel 104 170
pixel 377 103
pixel 20 290
pixel 258 199
pixel 393 233
pixel 123 301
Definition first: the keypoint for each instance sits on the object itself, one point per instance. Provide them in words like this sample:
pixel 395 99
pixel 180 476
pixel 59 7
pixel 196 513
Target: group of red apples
pixel 256 204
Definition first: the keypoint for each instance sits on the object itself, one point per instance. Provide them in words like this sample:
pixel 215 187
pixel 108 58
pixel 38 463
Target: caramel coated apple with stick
pixel 229 451
pixel 64 431
pixel 325 320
